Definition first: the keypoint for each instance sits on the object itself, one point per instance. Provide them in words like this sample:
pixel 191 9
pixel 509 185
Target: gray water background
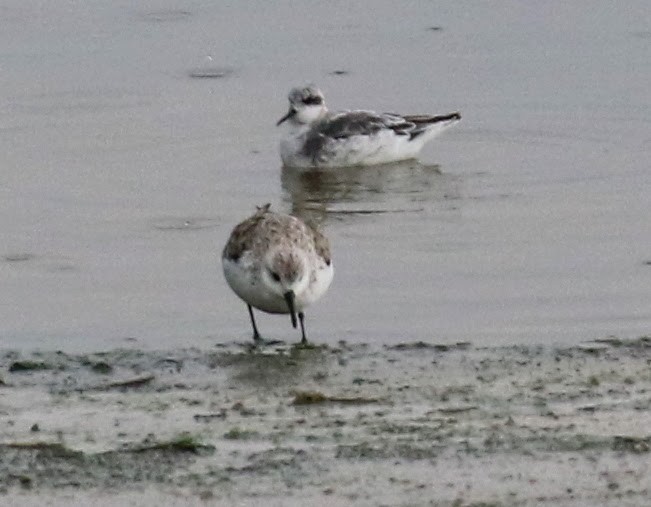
pixel 134 136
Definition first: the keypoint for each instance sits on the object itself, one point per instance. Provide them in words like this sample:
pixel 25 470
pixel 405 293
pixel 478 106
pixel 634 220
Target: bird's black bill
pixel 291 113
pixel 289 297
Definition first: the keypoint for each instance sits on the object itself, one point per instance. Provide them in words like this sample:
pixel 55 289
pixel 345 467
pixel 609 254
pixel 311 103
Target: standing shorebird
pixel 319 138
pixel 278 264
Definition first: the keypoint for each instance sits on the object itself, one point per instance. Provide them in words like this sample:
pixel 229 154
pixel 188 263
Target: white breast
pixel 243 277
pixel 321 279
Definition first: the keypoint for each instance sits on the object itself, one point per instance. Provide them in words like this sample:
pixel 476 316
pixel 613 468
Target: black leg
pixel 301 318
pixel 256 335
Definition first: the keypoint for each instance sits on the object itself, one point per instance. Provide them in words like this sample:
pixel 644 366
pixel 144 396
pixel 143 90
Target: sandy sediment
pixel 409 424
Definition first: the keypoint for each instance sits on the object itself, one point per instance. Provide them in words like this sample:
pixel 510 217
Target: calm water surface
pixel 133 138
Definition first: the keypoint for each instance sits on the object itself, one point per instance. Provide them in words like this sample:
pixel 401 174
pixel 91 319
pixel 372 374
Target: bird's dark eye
pixel 275 276
pixel 312 100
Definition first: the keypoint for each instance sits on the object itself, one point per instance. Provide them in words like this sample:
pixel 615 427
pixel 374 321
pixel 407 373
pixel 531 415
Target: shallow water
pixel 135 137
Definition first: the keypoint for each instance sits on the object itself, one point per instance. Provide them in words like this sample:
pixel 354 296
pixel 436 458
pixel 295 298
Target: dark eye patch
pixel 275 276
pixel 312 100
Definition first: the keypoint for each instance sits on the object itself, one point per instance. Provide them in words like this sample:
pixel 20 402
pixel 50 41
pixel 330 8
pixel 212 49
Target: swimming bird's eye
pixel 275 276
pixel 311 101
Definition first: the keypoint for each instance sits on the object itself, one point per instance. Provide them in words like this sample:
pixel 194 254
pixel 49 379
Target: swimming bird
pixel 278 264
pixel 319 138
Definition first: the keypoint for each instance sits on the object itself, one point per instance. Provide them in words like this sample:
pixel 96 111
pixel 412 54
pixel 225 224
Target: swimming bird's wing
pixel 361 123
pixel 365 123
pixel 326 134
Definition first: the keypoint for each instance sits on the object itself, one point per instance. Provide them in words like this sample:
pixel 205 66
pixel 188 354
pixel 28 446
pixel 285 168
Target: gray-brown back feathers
pixel 277 227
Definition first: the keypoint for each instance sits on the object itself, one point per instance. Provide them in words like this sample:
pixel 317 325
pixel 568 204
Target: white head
pixel 286 274
pixel 306 105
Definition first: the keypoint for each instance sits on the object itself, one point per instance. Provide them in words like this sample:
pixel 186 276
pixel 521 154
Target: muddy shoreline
pixel 408 424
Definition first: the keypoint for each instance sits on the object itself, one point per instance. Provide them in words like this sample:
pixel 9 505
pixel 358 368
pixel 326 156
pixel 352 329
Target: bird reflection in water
pixel 317 194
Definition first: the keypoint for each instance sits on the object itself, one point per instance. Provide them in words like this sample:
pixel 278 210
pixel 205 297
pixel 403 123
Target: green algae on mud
pixel 18 366
pixel 507 425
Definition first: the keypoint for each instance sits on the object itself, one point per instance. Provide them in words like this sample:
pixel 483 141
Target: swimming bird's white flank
pixel 318 138
pixel 278 264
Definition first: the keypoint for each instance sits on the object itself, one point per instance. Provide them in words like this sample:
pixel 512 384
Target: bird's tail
pixel 432 125
pixel 424 119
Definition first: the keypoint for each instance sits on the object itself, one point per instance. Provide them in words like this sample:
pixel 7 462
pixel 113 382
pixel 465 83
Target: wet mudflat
pixel 406 424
